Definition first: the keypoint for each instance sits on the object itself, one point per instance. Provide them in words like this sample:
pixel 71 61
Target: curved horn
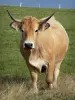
pixel 45 20
pixel 16 20
pixel 11 16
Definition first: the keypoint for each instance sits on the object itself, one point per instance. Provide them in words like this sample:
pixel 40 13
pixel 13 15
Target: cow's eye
pixel 36 30
pixel 22 30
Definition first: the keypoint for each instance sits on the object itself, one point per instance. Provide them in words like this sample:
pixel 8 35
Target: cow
pixel 44 43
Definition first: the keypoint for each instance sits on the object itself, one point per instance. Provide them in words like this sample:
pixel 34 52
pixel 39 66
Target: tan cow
pixel 43 45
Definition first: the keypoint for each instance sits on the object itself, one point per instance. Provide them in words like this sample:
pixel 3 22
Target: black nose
pixel 28 45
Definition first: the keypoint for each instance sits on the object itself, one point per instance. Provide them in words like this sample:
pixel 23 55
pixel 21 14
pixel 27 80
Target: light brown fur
pixel 50 48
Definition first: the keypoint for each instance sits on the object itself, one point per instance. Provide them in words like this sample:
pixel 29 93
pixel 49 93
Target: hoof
pixel 51 86
pixel 54 85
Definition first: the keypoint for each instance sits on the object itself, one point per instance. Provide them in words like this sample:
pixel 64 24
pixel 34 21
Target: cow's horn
pixel 13 17
pixel 45 20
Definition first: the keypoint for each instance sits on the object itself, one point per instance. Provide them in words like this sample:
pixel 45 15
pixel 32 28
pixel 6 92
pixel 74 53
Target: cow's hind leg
pixel 50 72
pixel 34 78
pixel 56 74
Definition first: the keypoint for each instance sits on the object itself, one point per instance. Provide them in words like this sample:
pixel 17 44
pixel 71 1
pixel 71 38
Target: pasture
pixel 14 76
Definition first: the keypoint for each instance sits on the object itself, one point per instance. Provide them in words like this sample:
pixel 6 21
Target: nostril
pixel 28 45
pixel 31 44
pixel 25 44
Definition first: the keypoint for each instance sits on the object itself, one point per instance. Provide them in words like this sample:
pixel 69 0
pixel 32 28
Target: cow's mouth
pixel 28 48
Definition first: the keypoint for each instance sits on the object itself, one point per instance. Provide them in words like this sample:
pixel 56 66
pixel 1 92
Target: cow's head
pixel 30 27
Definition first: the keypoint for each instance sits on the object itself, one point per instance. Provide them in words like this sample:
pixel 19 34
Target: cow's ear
pixel 15 25
pixel 44 26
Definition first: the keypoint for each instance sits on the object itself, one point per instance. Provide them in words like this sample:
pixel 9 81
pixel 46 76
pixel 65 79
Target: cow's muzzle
pixel 28 45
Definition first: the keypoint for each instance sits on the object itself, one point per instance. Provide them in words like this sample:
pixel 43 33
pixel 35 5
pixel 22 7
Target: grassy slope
pixel 11 61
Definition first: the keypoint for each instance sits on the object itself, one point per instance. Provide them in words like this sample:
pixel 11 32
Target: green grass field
pixel 12 64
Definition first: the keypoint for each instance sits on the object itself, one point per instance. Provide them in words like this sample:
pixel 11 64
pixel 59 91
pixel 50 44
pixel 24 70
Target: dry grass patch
pixel 22 91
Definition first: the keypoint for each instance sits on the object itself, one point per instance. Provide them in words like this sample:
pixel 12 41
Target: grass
pixel 21 91
pixel 12 64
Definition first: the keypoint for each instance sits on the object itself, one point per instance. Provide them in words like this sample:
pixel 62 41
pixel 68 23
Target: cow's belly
pixel 61 47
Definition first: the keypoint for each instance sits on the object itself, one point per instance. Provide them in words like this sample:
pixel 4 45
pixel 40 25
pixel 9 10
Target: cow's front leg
pixel 34 78
pixel 50 73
